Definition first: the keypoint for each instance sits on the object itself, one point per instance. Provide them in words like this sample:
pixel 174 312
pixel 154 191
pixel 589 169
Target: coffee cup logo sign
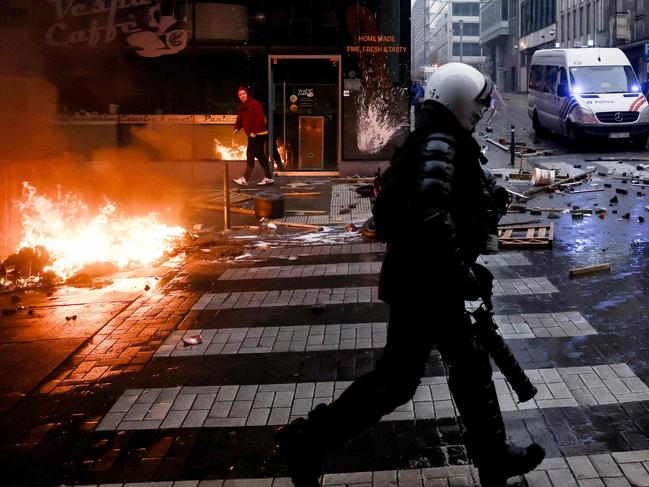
pixel 98 22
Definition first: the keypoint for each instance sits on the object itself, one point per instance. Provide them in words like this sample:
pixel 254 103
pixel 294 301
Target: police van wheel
pixel 640 141
pixel 536 125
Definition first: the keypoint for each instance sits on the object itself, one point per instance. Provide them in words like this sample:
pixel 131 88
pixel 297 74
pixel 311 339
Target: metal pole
pixel 512 147
pixel 226 196
pixel 284 124
pixel 461 38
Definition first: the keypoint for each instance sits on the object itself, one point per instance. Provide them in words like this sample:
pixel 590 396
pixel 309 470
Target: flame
pixel 75 238
pixel 233 153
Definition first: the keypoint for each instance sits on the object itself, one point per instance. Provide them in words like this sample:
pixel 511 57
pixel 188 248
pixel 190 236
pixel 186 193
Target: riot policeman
pixel 433 213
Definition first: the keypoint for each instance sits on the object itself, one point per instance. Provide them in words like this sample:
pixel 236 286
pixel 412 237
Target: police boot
pixel 485 440
pixel 302 446
pixel 511 461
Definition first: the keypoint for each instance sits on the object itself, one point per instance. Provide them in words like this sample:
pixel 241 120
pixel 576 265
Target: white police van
pixel 587 92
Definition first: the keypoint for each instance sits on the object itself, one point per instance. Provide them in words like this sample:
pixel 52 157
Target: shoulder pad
pixel 438 146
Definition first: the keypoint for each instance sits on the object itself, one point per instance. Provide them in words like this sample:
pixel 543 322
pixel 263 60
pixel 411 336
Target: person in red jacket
pixel 251 118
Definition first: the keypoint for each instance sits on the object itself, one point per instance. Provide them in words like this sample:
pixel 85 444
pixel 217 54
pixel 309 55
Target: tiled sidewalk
pixel 351 336
pixel 508 258
pixel 617 469
pixel 277 404
pixel 366 294
pixel 340 269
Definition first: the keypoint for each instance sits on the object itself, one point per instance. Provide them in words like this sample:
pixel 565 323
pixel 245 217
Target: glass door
pixel 305 105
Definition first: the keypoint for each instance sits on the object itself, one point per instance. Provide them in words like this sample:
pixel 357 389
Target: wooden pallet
pixel 528 236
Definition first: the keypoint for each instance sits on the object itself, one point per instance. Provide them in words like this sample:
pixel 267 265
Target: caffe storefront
pixel 331 75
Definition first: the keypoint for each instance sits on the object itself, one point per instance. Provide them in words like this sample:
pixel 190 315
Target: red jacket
pixel 251 117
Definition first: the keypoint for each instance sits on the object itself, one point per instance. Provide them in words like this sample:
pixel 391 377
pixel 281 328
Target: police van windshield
pixel 603 79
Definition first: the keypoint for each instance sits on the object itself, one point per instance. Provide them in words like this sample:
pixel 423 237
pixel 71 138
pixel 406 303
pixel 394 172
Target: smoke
pixel 56 157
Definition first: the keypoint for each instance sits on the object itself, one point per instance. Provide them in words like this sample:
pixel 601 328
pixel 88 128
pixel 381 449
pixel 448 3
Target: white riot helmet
pixel 464 90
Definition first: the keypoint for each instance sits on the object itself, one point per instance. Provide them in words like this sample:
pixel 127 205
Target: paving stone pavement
pixel 347 295
pixel 617 469
pixel 277 404
pixel 188 428
pixel 349 336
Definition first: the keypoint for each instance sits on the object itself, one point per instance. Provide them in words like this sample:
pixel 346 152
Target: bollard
pixel 226 196
pixel 512 148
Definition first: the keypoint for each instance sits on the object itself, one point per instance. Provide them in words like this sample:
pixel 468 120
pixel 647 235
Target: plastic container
pixel 542 177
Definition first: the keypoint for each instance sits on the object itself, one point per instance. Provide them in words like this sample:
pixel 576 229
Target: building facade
pixel 419 32
pixel 627 26
pixel 538 30
pixel 454 33
pixel 332 76
pixel 499 40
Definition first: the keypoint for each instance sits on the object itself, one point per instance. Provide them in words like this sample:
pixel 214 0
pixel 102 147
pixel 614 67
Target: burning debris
pixel 62 239
pixel 235 152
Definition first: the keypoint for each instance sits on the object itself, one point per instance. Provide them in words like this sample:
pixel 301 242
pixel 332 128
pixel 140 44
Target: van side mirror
pixel 562 90
pixel 644 87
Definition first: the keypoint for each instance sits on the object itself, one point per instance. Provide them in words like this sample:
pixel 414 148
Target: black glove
pixel 477 282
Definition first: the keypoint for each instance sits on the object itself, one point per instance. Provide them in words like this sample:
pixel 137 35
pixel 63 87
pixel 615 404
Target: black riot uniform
pixel 433 215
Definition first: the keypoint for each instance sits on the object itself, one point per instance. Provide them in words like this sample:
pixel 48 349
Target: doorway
pixel 304 112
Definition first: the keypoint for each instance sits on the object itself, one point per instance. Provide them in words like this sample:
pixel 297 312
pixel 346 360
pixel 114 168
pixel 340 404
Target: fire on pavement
pixel 62 236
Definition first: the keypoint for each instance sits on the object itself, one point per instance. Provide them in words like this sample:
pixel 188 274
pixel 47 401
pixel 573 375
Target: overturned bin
pixel 269 205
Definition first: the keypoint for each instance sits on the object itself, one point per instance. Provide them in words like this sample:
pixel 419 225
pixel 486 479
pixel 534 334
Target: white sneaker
pixel 265 181
pixel 241 181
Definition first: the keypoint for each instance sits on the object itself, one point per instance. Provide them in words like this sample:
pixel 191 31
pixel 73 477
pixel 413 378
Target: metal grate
pixel 617 117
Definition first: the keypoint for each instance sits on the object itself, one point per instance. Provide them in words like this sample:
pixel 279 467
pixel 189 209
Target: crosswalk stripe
pixel 622 468
pixel 344 295
pixel 349 336
pixel 342 269
pixel 276 404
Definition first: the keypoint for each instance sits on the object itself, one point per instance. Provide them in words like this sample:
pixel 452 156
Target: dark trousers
pixel 414 328
pixel 257 149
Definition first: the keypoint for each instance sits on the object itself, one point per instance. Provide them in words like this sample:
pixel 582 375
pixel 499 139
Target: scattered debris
pixel 351 228
pixel 299 195
pixel 553 216
pixel 542 177
pixel 621 191
pixel 580 271
pixel 626 216
pixel 613 200
pixel 365 191
pixel 580 178
pixel 608 185
pixel 192 340
pixel 594 190
pixel 306 212
pixel 314 228
pixel 534 236
pixel 215 207
pixel 147 287
pixel 641 218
